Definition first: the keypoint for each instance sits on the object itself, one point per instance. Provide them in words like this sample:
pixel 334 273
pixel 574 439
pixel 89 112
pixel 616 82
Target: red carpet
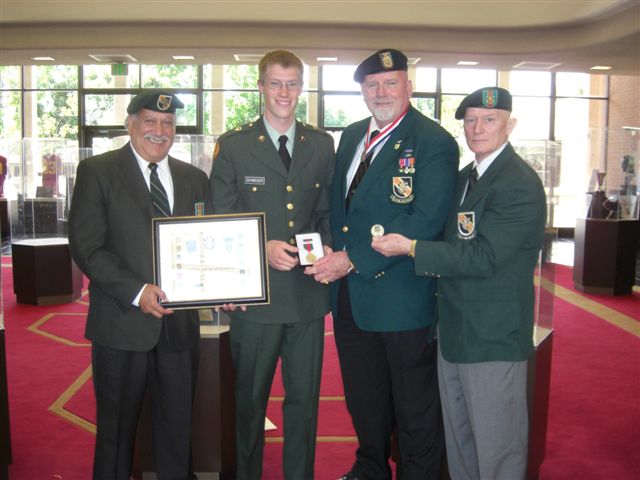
pixel 594 412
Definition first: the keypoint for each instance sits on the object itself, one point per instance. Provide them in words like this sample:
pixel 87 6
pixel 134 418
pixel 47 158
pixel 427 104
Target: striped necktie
pixel 363 166
pixel 158 193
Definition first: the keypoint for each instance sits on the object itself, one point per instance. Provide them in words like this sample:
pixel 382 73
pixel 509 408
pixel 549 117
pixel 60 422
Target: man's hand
pixel 230 307
pixel 330 268
pixel 278 256
pixel 391 245
pixel 150 301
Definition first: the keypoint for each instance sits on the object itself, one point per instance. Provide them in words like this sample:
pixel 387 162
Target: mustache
pixel 156 138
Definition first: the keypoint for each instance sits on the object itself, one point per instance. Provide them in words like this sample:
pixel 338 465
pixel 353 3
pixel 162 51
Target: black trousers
pixel 120 379
pixel 390 381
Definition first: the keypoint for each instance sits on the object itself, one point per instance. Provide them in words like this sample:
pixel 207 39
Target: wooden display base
pixel 5 435
pixel 605 256
pixel 44 273
pixel 538 382
pixel 213 447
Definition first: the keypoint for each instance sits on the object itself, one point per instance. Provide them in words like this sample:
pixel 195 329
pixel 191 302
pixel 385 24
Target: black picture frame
pixel 211 260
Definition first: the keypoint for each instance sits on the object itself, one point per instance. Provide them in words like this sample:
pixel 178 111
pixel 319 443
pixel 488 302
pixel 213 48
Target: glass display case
pixel 607 231
pixel 194 149
pixel 613 194
pixel 39 202
pixel 544 157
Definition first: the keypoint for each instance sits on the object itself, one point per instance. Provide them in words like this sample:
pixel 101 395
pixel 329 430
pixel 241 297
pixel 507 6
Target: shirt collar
pixel 274 135
pixel 163 165
pixel 486 163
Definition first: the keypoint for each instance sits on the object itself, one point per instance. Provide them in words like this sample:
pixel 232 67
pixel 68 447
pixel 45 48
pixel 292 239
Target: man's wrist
pixel 412 248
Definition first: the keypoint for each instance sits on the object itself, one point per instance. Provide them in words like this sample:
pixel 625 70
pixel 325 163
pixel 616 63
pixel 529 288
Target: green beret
pixel 487 97
pixel 386 60
pixel 162 102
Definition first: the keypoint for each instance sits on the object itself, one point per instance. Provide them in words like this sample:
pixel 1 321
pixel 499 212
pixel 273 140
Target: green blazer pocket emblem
pixel 402 190
pixel 466 225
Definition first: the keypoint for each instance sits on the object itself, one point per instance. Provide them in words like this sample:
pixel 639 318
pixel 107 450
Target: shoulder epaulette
pixel 313 128
pixel 243 128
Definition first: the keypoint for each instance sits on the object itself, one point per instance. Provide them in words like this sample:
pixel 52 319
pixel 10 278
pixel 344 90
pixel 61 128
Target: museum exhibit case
pixel 195 149
pixel 544 157
pixel 41 192
pixel 213 437
pixel 5 433
pixel 607 231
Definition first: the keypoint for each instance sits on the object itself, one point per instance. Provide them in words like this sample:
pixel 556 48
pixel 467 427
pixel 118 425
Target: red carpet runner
pixel 594 413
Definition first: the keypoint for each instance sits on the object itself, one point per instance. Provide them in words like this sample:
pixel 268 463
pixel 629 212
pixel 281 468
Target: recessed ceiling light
pixel 184 57
pixel 113 57
pixel 468 63
pixel 601 67
pixel 327 59
pixel 247 57
pixel 536 65
pixel 43 59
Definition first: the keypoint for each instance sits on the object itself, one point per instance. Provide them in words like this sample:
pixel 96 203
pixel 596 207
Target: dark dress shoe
pixel 348 476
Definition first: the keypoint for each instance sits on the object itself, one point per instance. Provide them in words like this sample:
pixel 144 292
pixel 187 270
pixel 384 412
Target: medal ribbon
pixel 308 245
pixel 370 144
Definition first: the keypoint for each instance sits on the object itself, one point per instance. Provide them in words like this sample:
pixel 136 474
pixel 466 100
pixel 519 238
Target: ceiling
pixel 556 35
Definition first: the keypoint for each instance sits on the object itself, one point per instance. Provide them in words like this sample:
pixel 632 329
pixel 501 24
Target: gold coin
pixel 377 230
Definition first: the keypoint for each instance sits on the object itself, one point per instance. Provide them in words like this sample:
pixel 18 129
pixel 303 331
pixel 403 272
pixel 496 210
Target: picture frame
pixel 211 260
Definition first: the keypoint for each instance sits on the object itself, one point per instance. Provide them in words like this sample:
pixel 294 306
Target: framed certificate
pixel 210 260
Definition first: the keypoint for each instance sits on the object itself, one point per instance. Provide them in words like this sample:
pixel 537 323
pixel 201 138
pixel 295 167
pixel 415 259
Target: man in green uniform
pixel 395 172
pixel 485 294
pixel 284 168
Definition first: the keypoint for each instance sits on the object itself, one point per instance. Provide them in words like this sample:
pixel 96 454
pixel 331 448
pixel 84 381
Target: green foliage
pixel 241 107
pixel 335 117
pixel 57 114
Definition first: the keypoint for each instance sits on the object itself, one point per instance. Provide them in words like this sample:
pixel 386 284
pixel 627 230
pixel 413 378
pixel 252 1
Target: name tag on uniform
pixel 254 180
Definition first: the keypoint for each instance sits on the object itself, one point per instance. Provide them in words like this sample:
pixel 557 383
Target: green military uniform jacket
pixel 485 265
pixel 385 293
pixel 248 176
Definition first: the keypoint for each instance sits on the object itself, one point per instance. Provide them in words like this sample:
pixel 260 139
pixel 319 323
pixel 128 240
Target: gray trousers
pixel 486 425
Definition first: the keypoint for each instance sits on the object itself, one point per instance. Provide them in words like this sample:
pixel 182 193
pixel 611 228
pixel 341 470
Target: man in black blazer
pixel 136 342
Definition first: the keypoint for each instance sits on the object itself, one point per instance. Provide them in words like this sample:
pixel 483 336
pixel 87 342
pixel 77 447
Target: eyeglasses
pixel 291 85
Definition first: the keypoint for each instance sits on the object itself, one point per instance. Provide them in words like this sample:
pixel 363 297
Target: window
pixel 49 102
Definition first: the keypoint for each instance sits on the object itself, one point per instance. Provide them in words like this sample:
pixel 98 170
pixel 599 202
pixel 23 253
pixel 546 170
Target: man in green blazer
pixel 135 341
pixel 485 269
pixel 284 168
pixel 384 315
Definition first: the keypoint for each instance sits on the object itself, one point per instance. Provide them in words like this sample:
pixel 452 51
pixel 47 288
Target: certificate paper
pixel 210 260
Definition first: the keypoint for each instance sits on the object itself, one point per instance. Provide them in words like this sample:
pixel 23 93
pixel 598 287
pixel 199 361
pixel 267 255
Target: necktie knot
pixel 284 153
